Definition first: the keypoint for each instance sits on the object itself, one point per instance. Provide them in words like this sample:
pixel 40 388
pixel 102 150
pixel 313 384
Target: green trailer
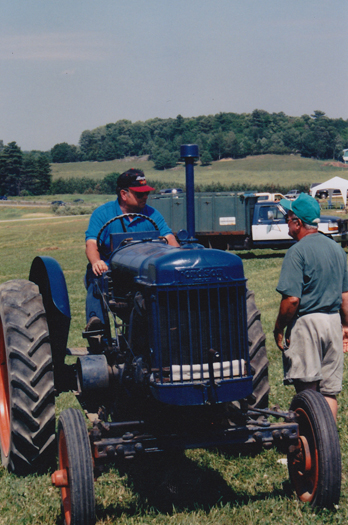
pixel 221 219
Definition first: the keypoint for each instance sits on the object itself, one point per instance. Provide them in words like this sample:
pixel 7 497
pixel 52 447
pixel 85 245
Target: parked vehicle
pixel 270 196
pixel 233 220
pixel 324 193
pixel 171 190
pixel 58 203
pixel 292 194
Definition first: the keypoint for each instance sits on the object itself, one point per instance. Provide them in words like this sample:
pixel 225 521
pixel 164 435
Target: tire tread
pixel 30 373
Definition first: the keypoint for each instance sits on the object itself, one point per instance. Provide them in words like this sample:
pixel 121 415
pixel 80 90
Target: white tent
pixel 333 184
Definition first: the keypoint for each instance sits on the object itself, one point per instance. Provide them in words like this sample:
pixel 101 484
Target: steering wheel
pixel 120 218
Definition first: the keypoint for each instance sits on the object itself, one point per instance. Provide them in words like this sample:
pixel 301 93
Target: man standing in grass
pixel 132 192
pixel 314 306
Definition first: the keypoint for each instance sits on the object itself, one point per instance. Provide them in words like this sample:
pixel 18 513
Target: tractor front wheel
pixel 315 462
pixel 75 474
pixel 27 413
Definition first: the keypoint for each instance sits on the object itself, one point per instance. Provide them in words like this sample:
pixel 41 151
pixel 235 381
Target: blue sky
pixel 71 65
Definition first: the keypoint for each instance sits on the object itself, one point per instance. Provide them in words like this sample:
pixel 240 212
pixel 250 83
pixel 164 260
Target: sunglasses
pixel 289 219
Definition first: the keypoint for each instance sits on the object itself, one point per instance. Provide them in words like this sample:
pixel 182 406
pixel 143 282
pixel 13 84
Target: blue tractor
pixel 180 363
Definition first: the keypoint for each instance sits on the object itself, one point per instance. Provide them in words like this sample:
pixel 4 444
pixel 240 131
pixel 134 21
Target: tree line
pixel 107 186
pixel 225 135
pixel 23 173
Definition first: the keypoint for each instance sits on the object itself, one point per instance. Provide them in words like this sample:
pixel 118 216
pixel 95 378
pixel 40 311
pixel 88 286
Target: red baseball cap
pixel 133 179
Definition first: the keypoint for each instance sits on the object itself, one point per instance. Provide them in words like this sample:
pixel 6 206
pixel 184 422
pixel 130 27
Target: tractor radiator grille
pixel 196 323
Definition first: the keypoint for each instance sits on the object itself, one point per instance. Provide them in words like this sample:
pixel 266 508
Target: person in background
pixel 314 305
pixel 132 193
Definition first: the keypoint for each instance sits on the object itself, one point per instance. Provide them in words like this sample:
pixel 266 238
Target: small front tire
pixel 76 468
pixel 315 463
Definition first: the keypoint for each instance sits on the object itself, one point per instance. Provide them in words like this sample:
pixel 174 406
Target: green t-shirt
pixel 315 270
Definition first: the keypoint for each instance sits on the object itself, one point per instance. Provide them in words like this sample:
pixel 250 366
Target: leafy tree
pixel 28 177
pixel 89 145
pixel 109 183
pixel 230 145
pixel 164 159
pixel 216 145
pixel 318 114
pixel 64 153
pixel 11 159
pixel 43 176
pixel 206 158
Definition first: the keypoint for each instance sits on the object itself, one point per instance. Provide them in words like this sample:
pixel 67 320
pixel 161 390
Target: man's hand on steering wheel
pixel 99 267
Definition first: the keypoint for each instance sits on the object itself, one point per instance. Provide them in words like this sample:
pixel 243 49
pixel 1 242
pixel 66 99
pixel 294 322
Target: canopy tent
pixel 333 184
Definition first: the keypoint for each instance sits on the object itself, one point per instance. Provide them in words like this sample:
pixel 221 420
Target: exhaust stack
pixel 189 152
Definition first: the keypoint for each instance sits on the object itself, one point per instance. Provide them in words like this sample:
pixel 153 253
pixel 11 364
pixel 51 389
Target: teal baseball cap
pixel 304 207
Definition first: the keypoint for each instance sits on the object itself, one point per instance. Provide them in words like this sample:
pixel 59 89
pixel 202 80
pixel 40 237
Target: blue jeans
pixel 94 300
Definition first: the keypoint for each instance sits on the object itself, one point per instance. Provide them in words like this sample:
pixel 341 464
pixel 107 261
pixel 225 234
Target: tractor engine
pixel 184 321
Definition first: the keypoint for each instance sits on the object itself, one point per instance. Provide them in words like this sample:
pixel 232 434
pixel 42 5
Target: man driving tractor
pixel 132 193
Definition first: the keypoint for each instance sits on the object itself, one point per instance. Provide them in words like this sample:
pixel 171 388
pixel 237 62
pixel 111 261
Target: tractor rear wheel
pixel 257 353
pixel 315 463
pixel 75 474
pixel 258 363
pixel 27 412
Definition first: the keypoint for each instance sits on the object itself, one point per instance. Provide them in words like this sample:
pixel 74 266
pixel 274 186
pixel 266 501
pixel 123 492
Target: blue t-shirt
pixel 315 271
pixel 112 209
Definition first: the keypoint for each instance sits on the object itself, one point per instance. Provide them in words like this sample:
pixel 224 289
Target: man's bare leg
pixel 331 400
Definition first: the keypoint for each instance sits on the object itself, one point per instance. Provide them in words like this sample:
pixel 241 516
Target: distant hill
pixel 280 171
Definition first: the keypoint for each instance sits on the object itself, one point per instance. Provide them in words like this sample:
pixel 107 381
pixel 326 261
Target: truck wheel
pixel 75 474
pixel 27 413
pixel 258 353
pixel 315 463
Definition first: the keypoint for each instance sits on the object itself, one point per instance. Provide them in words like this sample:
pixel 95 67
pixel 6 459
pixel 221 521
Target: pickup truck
pixel 233 220
pixel 292 194
pixel 269 196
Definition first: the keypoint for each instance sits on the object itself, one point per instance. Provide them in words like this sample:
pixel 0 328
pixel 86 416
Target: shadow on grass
pixel 169 485
pixel 259 256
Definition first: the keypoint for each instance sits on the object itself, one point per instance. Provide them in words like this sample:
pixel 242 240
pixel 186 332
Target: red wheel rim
pixel 5 424
pixel 303 461
pixel 64 464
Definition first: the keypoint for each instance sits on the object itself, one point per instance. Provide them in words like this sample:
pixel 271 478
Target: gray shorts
pixel 315 352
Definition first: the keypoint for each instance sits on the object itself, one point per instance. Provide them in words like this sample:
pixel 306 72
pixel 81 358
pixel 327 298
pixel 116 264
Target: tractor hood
pixel 151 264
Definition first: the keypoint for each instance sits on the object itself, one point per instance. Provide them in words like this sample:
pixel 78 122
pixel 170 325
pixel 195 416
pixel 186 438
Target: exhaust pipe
pixel 189 152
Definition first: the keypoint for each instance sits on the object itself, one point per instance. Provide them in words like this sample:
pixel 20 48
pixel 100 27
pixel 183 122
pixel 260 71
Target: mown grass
pixel 202 487
pixel 280 170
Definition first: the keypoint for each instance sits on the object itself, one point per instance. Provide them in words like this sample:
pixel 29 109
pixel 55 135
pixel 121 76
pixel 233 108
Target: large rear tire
pixel 76 467
pixel 315 463
pixel 27 413
pixel 257 353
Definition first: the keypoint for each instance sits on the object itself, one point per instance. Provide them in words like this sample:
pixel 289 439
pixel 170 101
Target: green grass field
pixel 205 487
pixel 280 170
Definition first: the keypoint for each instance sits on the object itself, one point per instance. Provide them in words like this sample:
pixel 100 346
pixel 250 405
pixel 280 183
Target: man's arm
pixel 287 310
pixel 172 240
pixel 98 266
pixel 344 319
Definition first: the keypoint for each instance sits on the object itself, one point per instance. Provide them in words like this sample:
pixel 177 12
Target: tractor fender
pixel 48 275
